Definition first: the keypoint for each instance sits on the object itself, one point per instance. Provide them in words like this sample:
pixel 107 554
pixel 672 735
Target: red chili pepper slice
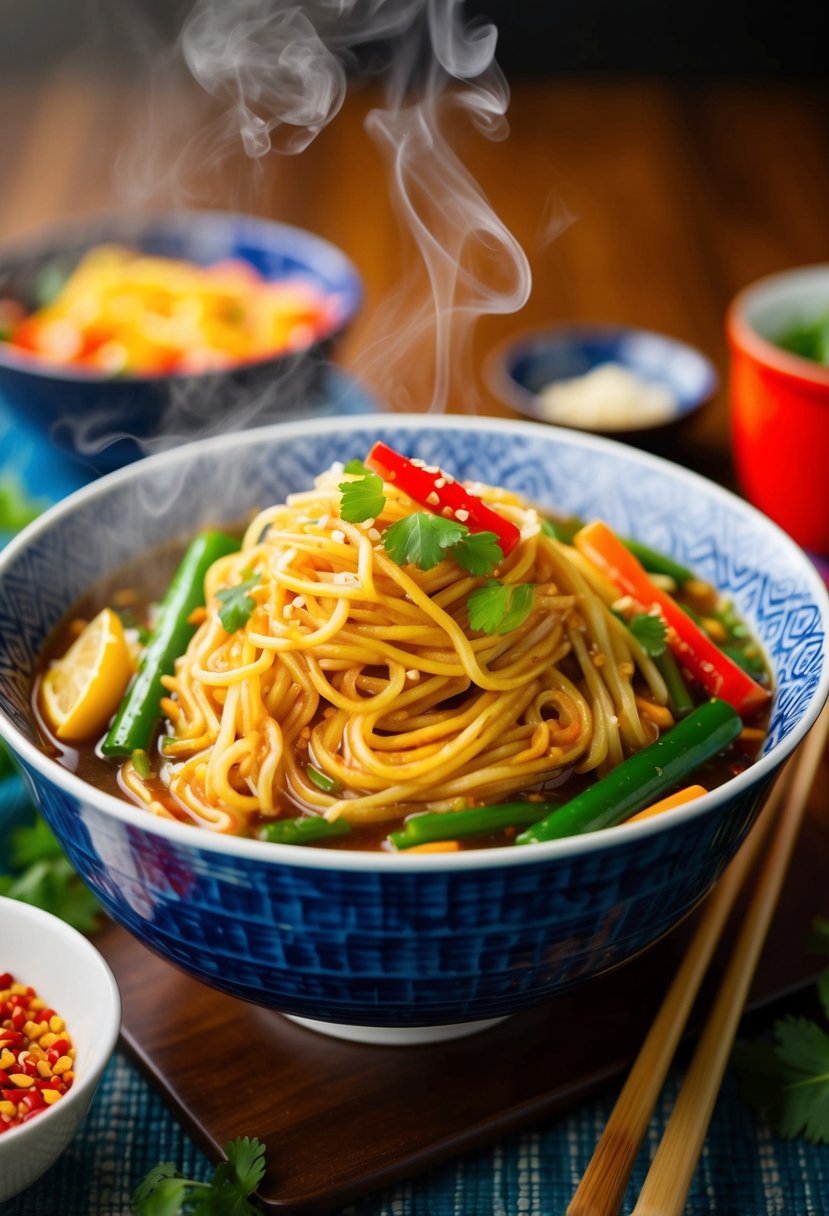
pixel 439 492
pixel 716 672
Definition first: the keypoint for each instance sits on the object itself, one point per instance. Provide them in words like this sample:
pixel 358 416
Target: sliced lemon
pixel 82 690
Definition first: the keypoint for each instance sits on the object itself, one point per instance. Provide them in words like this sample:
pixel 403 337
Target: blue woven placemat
pixel 743 1171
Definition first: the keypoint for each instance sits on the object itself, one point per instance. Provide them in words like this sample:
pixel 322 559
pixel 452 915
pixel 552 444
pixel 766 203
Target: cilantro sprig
pixel 500 607
pixel 650 632
pixel 166 1192
pixel 423 539
pixel 237 604
pixel 42 875
pixel 787 1078
pixel 362 498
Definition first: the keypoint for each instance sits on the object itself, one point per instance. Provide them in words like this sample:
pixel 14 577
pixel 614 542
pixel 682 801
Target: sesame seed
pixel 338 537
pixel 462 515
pixel 440 482
pixel 433 499
pixel 373 534
pixel 413 674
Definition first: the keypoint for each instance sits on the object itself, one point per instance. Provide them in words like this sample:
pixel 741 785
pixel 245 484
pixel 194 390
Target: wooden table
pixel 642 202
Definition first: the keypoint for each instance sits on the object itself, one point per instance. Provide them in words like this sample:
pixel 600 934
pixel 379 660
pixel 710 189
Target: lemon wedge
pixel 81 691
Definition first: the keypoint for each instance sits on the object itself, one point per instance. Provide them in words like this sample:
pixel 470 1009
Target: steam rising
pixel 276 74
pixel 282 71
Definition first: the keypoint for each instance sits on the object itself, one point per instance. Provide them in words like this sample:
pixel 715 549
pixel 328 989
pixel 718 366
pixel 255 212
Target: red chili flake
pixel 24 1091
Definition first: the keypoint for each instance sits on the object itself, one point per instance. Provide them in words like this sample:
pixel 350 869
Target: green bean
pixel 654 562
pixel 644 777
pixel 458 825
pixel 679 698
pixel 307 829
pixel 140 710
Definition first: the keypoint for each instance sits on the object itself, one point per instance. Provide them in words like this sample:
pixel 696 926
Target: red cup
pixel 780 404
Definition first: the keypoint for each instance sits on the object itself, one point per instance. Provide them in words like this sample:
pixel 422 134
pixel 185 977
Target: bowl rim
pixel 39 243
pixel 745 339
pixel 507 388
pixel 103 1044
pixel 188 837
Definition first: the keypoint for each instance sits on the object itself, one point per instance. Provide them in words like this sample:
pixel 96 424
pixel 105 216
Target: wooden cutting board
pixel 341 1119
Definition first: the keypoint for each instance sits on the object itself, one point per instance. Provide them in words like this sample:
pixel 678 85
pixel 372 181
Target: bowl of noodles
pixel 123 335
pixel 398 728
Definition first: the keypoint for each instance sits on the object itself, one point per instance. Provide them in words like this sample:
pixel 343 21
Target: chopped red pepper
pixel 439 492
pixel 28 1080
pixel 716 672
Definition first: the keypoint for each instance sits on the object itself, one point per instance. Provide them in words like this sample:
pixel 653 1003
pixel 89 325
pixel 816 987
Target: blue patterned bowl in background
pixel 108 421
pixel 400 947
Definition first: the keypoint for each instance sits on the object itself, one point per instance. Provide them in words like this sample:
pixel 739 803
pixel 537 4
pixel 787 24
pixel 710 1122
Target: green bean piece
pixel 140 710
pixel 564 530
pixel 307 829
pixel 644 777
pixel 656 562
pixel 475 821
pixel 679 698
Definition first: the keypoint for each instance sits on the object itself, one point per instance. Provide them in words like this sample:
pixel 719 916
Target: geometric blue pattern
pixel 385 940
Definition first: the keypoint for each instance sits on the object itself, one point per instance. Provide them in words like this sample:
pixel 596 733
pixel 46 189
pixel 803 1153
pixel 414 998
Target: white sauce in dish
pixel 608 397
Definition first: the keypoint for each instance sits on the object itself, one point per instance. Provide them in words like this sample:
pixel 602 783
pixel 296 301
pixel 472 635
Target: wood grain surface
pixel 642 202
pixel 340 1119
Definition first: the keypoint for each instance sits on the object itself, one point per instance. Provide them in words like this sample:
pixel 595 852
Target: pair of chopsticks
pixel 665 1190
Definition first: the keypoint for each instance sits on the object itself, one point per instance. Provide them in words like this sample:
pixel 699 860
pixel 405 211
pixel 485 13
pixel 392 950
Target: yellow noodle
pixel 369 673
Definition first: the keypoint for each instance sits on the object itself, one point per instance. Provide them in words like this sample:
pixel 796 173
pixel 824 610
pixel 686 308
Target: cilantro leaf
pixel 237 605
pixel 422 538
pixel 165 1192
pixel 499 607
pixel 478 552
pixel 789 1078
pixel 153 1180
pixel 247 1158
pixel 362 499
pixel 650 633
pixel 356 467
pixel 43 876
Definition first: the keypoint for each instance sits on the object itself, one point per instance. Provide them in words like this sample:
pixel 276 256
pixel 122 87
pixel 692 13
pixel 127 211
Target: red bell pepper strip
pixel 439 492
pixel 716 672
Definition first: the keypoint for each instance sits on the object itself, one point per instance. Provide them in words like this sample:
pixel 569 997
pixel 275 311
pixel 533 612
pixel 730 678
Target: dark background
pixel 694 41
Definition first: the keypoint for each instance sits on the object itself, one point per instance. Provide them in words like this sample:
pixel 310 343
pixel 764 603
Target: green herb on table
pixel 43 876
pixel 17 507
pixel 787 1078
pixel 165 1192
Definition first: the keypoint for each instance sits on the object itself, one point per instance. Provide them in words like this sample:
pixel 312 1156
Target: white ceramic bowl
pixel 68 972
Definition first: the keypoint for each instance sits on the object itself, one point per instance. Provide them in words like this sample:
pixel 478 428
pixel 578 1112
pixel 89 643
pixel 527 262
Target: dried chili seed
pixel 36 1054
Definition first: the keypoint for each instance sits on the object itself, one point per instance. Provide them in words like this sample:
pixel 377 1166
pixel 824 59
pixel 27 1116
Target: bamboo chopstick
pixel 602 1187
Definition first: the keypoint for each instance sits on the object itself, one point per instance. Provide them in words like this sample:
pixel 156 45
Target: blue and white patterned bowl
pixel 350 939
pixel 522 367
pixel 108 421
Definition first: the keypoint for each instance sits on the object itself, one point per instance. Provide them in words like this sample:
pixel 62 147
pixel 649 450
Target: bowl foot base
pixel 395 1036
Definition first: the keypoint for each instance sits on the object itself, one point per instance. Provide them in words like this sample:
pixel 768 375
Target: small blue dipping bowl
pixel 520 369
pixel 110 421
pixel 389 946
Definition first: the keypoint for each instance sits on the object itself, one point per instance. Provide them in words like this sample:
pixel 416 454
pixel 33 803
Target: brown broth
pixel 135 588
